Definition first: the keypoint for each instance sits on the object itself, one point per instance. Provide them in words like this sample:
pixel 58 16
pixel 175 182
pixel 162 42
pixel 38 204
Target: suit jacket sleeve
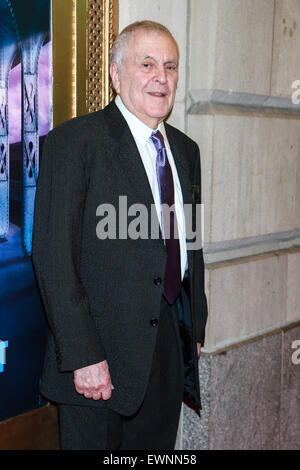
pixel 59 205
pixel 200 302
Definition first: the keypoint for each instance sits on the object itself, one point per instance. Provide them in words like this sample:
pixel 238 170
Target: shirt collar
pixel 139 130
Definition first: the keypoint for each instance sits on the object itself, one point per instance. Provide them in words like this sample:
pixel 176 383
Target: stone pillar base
pixel 250 397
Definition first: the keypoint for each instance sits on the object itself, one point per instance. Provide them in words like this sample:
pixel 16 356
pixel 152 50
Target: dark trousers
pixel 154 425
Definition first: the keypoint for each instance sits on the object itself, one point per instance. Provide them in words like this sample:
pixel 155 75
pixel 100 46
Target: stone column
pixel 8 47
pixel 31 48
pixel 243 60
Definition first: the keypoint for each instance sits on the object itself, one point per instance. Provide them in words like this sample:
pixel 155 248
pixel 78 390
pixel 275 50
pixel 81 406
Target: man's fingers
pixel 106 394
pixel 79 389
pixel 96 396
pixel 95 393
pixel 94 381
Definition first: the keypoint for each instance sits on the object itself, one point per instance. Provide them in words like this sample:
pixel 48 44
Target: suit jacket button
pixel 157 281
pixel 154 322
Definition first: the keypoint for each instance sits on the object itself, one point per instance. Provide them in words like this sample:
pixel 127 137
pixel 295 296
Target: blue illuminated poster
pixel 25 119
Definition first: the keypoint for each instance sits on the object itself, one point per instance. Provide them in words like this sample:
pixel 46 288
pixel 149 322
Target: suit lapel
pixel 131 162
pixel 132 166
pixel 181 160
pixel 128 156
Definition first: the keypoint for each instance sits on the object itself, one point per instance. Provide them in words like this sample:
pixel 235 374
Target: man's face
pixel 148 78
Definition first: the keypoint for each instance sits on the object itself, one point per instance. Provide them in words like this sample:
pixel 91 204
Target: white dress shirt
pixel 141 134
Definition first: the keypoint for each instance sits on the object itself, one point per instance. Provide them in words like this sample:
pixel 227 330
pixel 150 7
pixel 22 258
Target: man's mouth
pixel 157 94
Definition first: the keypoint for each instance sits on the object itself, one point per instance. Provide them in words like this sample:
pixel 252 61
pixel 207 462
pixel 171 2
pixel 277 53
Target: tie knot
pixel 158 140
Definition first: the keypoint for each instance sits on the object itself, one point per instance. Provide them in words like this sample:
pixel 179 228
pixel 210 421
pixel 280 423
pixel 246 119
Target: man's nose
pixel 161 75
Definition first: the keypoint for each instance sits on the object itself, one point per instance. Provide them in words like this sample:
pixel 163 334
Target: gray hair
pixel 122 41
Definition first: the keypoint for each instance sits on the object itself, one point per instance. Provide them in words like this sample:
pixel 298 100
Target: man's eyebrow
pixel 172 61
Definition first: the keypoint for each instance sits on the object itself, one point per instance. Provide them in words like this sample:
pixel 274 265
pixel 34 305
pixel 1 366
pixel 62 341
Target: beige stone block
pixel 178 116
pixel 203 28
pixel 297 192
pixel 255 177
pixel 246 299
pixel 285 62
pixel 244 45
pixel 293 282
pixel 231 45
pixel 172 14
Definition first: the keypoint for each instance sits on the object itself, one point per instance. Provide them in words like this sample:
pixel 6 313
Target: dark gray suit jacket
pixel 100 296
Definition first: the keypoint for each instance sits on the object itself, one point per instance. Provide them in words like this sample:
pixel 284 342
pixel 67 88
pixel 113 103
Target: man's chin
pixel 160 115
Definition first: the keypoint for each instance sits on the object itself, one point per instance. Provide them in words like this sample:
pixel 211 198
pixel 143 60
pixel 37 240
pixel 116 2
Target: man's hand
pixel 94 381
pixel 198 350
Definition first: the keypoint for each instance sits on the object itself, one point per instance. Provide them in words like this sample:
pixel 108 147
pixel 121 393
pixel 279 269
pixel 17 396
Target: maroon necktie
pixel 172 279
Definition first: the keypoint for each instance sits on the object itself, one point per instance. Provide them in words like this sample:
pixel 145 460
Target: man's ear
pixel 115 76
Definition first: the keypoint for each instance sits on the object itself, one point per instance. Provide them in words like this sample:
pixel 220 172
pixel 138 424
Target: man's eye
pixel 147 66
pixel 171 67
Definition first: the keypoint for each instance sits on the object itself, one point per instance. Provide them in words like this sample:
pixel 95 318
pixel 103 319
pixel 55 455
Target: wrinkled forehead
pixel 149 43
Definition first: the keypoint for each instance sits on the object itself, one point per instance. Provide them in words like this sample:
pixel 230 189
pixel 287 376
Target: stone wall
pixel 250 397
pixel 238 62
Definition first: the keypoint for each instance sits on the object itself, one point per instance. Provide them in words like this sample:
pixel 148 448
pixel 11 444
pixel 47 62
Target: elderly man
pixel 126 313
